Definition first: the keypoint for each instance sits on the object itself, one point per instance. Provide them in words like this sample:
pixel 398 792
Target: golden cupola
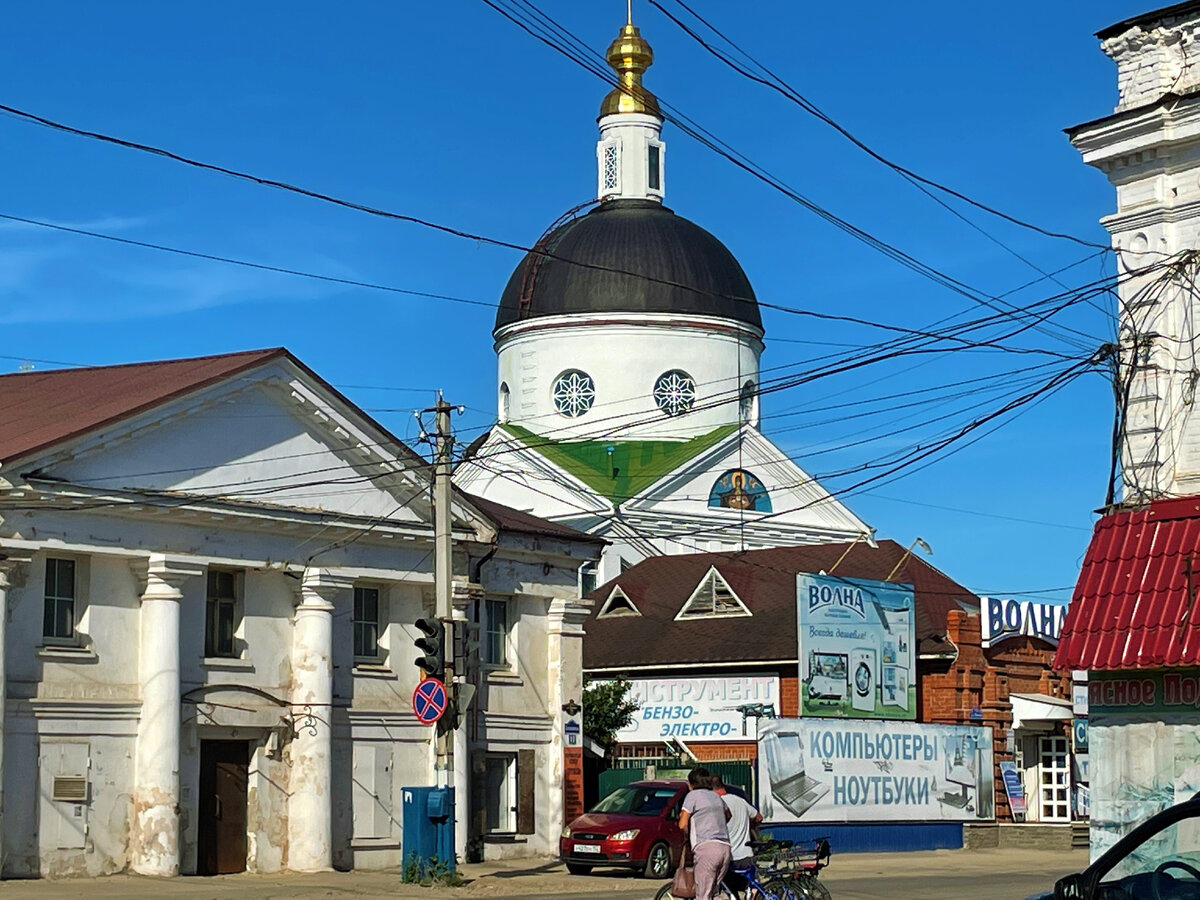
pixel 630 56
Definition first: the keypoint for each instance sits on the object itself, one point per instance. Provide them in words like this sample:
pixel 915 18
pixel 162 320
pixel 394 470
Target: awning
pixel 1038 709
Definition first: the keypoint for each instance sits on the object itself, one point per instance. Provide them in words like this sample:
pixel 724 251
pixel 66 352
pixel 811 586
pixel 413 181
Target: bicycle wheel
pixel 807 887
pixel 781 889
pixel 664 892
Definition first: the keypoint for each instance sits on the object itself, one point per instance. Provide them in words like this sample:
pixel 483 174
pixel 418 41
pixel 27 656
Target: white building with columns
pixel 209 571
pixel 629 345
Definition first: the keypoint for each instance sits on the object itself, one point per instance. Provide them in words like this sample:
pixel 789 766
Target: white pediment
pixel 505 470
pixel 272 435
pixel 793 498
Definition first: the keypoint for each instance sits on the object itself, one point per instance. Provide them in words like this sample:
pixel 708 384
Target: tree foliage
pixel 607 709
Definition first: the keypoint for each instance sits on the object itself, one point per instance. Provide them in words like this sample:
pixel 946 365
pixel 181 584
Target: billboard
pixel 699 709
pixel 856 652
pixel 1001 619
pixel 813 770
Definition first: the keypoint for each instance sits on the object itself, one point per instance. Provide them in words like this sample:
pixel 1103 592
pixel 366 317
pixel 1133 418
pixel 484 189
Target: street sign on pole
pixel 429 701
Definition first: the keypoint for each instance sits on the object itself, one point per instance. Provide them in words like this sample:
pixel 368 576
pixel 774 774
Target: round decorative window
pixel 574 393
pixel 675 392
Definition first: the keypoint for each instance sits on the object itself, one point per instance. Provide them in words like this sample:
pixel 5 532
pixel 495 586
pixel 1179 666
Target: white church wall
pixel 624 361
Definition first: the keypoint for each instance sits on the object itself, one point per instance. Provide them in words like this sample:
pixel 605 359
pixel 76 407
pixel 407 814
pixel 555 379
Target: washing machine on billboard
pixel 864 678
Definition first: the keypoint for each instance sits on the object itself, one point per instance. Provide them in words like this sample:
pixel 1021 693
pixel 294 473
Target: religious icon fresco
pixel 738 489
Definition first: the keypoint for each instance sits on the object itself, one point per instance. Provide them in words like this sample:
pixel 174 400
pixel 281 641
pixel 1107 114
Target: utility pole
pixel 442 568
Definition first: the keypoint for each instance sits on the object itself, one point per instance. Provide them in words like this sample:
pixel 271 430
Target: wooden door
pixel 224 772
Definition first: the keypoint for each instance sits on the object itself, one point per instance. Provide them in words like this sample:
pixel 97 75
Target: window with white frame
pixel 222 613
pixel 497 634
pixel 499 776
pixel 58 611
pixel 588 573
pixel 366 623
pixel 510 792
pixel 654 167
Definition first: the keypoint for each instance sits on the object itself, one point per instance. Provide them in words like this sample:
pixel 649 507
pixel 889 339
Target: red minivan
pixel 634 827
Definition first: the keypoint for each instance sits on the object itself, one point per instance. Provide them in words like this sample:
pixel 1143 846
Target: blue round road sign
pixel 429 701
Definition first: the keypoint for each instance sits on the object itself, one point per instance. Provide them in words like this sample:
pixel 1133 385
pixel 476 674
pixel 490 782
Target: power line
pixel 777 83
pixel 588 59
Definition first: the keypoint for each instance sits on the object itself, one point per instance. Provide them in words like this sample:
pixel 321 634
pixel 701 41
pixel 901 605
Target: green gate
pixel 734 772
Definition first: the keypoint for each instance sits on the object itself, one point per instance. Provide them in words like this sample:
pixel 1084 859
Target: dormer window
pixel 618 604
pixel 713 599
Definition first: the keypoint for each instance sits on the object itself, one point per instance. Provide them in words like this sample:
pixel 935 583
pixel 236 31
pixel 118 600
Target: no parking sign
pixel 429 701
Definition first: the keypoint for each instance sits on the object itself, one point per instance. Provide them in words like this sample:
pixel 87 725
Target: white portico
pixel 209 574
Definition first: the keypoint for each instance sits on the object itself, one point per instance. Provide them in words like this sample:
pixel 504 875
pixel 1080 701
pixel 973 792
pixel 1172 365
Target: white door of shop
pixel 1054 781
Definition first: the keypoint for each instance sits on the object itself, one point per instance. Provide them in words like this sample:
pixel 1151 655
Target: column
pixel 565 652
pixel 12 574
pixel 310 808
pixel 154 841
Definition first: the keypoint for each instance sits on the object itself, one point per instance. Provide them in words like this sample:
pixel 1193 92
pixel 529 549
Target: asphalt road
pixel 1008 874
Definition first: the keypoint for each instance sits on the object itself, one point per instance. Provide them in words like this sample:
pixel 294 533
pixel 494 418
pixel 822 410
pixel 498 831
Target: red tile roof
pixel 1133 605
pixel 40 409
pixel 765 580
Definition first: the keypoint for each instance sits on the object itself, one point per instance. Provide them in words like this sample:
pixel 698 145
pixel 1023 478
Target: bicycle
pixel 797 867
pixel 777 878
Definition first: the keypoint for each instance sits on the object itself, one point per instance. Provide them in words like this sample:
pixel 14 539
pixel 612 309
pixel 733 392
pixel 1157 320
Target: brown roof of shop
pixel 765 580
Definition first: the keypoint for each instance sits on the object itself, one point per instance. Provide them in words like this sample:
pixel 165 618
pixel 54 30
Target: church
pixel 629 343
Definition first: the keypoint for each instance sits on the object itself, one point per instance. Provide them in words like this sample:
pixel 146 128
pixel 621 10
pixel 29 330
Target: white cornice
pixel 1115 143
pixel 673 321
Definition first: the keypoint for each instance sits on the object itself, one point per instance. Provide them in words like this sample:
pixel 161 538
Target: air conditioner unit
pixel 70 788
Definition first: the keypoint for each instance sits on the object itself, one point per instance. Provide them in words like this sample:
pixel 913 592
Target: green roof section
pixel 630 468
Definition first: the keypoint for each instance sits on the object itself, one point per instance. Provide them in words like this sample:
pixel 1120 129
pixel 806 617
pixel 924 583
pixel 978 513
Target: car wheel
pixel 658 862
pixel 578 869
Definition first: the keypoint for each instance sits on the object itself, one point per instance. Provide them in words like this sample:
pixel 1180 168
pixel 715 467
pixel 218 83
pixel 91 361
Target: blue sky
pixel 446 111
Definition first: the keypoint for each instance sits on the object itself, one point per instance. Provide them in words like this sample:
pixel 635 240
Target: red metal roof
pixel 40 409
pixel 1135 605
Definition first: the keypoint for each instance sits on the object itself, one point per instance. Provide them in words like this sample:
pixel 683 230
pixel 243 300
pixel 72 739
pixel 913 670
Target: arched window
pixel 749 403
pixel 504 400
pixel 738 489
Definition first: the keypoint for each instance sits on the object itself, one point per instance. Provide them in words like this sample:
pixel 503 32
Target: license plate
pixel 587 848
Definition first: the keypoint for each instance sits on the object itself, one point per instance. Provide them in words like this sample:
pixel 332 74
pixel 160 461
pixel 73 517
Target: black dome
pixel 638 236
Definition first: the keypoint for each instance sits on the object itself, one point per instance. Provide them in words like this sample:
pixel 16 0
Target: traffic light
pixel 433 646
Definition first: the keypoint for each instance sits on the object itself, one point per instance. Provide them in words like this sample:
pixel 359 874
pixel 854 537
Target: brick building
pixel 710 643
